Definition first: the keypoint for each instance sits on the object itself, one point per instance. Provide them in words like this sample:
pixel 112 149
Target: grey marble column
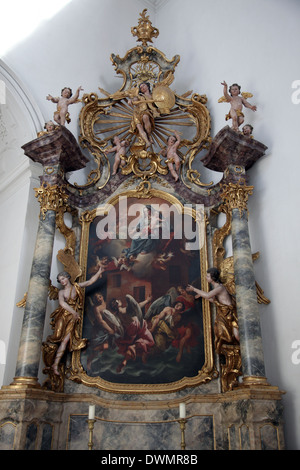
pixel 233 154
pixel 59 153
pixel 34 315
pixel 246 298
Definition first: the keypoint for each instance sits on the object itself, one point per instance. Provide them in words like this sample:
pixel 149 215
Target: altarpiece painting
pixel 148 263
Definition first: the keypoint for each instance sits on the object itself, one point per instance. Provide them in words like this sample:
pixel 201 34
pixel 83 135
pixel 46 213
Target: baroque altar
pixel 135 333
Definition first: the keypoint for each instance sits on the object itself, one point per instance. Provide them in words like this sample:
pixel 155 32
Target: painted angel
pixel 164 319
pixel 105 327
pixel 135 339
pixel 237 102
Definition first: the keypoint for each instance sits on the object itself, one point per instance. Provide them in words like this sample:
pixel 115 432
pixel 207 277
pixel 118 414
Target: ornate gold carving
pixel 220 235
pixel 144 31
pixel 235 195
pixel 231 369
pixel 227 346
pixel 142 163
pixel 50 197
pixel 115 115
pixel 67 232
pixel 70 264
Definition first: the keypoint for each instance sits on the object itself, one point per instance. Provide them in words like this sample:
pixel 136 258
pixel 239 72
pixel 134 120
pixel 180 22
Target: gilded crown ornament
pixel 144 31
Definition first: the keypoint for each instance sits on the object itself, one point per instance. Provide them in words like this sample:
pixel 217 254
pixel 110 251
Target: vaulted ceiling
pixel 156 4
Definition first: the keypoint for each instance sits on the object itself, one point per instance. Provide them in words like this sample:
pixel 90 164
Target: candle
pixel 92 412
pixel 182 410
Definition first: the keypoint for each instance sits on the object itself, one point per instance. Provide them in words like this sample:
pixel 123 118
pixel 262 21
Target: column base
pixel 23 383
pixel 255 381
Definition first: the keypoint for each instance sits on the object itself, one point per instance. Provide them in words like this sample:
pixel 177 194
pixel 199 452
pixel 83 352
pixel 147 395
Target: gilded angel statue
pixel 147 105
pixel 67 316
pixel 226 327
pixel 237 102
pixel 227 277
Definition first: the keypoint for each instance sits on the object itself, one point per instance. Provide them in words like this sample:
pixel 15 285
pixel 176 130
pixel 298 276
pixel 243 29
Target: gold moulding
pixel 50 198
pixel 235 196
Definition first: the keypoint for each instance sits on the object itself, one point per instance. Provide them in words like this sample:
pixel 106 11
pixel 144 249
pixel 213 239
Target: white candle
pixel 91 411
pixel 182 410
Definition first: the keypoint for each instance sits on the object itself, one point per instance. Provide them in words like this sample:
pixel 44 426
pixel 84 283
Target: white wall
pixel 19 121
pixel 256 44
pixel 253 43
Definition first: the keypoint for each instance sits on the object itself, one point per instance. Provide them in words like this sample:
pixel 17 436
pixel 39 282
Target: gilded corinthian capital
pixel 235 195
pixel 50 197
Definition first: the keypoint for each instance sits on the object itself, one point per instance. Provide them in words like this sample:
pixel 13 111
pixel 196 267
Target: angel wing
pixel 52 295
pixel 166 81
pixel 159 304
pixel 53 291
pixel 227 278
pixel 246 94
pixel 119 95
pixel 227 274
pixel 223 100
pixel 113 321
pixel 133 308
pixel 70 264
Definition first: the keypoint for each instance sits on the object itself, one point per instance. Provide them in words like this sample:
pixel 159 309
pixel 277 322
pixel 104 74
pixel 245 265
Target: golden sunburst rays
pixel 117 122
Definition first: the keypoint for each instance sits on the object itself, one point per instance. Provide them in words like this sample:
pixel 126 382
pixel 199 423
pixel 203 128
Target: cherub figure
pixel 237 102
pixel 49 127
pixel 120 149
pixel 171 153
pixel 62 115
pixel 247 131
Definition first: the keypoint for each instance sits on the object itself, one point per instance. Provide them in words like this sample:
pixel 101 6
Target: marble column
pixel 34 315
pixel 233 154
pixel 58 153
pixel 246 295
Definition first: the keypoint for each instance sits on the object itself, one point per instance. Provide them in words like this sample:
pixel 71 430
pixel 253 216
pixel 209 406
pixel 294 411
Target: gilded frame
pixel 208 370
